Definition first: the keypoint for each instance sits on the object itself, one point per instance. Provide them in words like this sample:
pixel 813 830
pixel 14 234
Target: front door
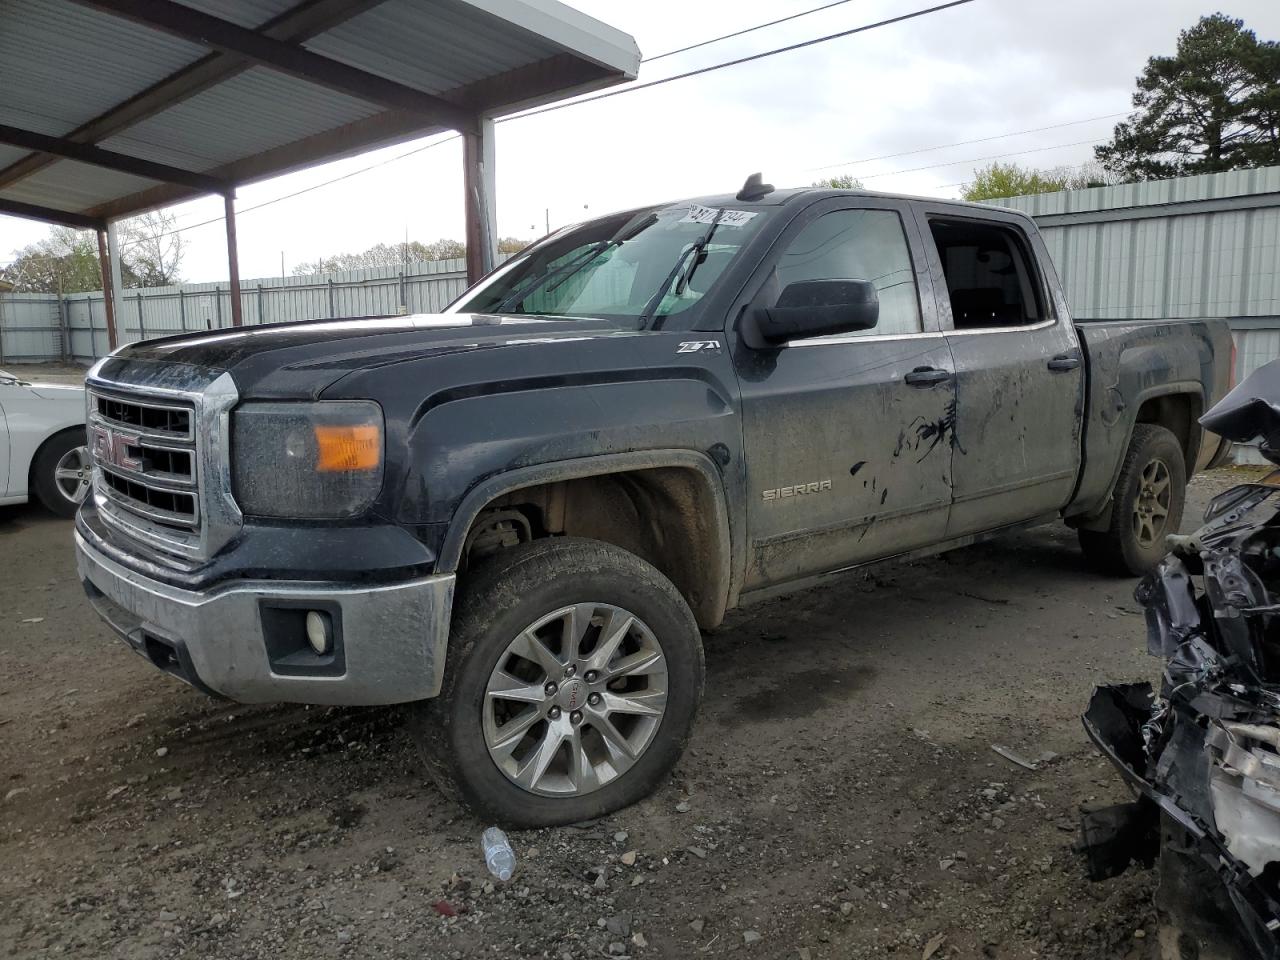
pixel 1019 376
pixel 848 437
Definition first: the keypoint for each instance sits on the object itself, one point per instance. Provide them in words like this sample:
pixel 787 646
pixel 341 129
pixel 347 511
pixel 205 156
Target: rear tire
pixel 60 473
pixel 1148 502
pixel 585 703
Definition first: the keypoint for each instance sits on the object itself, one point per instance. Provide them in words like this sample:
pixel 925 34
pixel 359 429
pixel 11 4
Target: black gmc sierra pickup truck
pixel 517 515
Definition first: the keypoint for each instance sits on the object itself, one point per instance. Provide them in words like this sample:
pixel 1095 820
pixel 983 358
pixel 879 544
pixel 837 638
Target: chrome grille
pixel 159 436
pixel 150 419
pixel 146 475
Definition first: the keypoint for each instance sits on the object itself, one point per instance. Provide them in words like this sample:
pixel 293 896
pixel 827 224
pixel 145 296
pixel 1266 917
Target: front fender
pixel 519 478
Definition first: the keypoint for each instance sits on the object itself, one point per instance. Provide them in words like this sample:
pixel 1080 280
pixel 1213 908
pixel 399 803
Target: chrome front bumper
pixel 391 639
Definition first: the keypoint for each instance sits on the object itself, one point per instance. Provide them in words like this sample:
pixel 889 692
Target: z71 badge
pixel 797 490
pixel 699 346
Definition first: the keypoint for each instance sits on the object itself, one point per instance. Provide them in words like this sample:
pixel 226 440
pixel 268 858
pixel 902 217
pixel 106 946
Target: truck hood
pixel 302 359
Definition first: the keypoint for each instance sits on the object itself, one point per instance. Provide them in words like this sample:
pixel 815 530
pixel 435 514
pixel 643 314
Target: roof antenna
pixel 754 189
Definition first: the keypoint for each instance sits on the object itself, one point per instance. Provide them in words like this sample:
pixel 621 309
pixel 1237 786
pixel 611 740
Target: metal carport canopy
pixel 112 107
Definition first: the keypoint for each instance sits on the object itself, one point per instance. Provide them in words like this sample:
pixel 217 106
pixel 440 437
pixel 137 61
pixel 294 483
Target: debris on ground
pixel 1013 757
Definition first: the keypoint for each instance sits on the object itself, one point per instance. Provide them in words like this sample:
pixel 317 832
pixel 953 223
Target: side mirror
pixel 818 308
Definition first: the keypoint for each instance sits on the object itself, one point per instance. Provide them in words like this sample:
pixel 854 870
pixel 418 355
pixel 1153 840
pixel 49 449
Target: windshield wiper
pixel 696 248
pixel 567 270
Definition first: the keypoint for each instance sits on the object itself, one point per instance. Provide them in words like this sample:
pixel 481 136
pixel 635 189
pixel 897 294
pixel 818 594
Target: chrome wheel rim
pixel 73 474
pixel 1151 508
pixel 575 700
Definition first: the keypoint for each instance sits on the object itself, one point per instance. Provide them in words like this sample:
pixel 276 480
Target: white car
pixel 42 444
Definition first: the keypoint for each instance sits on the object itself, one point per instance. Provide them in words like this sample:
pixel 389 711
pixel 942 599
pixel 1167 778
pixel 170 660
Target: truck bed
pixel 1135 367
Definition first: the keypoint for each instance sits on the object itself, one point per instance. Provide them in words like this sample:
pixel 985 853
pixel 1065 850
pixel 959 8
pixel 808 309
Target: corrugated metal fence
pixel 37 327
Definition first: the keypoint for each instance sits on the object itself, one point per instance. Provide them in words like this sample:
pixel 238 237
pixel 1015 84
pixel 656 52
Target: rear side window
pixel 858 245
pixel 990 278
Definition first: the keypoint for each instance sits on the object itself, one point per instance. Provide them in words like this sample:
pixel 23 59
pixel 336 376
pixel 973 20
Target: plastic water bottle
pixel 498 855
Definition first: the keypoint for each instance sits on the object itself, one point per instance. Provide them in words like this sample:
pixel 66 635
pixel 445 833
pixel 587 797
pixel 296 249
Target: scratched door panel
pixel 1019 374
pixel 845 461
pixel 1017 449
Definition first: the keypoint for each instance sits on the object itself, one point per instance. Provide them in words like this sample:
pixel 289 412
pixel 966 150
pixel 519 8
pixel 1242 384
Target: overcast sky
pixel 985 69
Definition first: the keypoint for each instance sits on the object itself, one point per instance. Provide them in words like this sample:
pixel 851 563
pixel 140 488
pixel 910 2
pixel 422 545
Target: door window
pixel 990 281
pixel 858 245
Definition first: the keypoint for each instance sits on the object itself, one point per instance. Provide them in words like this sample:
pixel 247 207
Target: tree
pixel 152 248
pixel 842 182
pixel 1214 105
pixel 1010 180
pixel 512 244
pixel 66 261
pixel 997 180
pixel 397 254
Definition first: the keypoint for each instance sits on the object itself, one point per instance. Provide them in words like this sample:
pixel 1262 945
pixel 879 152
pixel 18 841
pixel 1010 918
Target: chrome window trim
pixel 1038 325
pixel 852 338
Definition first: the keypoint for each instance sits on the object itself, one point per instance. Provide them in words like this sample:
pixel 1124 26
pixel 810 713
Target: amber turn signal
pixel 348 449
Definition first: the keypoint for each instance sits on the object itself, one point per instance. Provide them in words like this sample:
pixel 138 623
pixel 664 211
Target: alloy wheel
pixel 1151 507
pixel 74 474
pixel 575 700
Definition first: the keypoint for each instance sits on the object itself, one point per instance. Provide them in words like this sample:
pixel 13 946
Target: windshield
pixel 639 267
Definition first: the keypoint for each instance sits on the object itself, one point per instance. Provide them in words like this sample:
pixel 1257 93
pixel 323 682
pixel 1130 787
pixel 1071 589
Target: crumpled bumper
pixel 245 640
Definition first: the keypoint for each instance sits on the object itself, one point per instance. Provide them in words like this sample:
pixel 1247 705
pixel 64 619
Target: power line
pixel 964 143
pixel 314 186
pixel 995 156
pixel 738 33
pixel 740 60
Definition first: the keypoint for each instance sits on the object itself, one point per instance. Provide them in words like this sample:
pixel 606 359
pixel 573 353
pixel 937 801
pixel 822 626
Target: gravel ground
pixel 841 798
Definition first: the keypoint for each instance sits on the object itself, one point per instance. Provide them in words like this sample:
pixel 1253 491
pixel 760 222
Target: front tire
pixel 573 677
pixel 1148 502
pixel 61 473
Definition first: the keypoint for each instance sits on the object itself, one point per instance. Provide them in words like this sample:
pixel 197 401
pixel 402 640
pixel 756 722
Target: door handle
pixel 1064 362
pixel 926 376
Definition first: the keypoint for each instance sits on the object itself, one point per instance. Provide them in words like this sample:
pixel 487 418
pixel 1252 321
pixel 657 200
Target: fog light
pixel 319 632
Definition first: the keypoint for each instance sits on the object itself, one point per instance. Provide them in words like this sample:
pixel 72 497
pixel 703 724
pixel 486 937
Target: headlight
pixel 307 460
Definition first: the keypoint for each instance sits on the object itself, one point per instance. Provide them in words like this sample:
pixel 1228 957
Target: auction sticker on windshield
pixel 728 218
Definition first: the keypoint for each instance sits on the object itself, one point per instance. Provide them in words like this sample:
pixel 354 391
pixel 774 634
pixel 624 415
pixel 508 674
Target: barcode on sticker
pixel 728 218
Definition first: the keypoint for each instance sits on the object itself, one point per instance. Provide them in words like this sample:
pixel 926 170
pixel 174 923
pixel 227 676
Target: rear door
pixel 1019 373
pixel 847 439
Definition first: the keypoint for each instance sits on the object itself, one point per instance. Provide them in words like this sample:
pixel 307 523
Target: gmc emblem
pixel 112 447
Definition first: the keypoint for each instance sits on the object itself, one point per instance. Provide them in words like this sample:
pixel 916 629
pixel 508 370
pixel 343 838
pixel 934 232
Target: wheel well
pixel 667 516
pixel 1178 413
pixel 35 457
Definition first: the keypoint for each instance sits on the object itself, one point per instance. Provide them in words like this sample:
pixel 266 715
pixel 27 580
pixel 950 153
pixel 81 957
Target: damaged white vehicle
pixel 1204 755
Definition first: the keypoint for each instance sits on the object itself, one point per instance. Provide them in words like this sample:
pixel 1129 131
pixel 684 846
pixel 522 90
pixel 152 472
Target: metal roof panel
pixel 435 48
pixel 62 64
pixel 250 113
pixel 68 185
